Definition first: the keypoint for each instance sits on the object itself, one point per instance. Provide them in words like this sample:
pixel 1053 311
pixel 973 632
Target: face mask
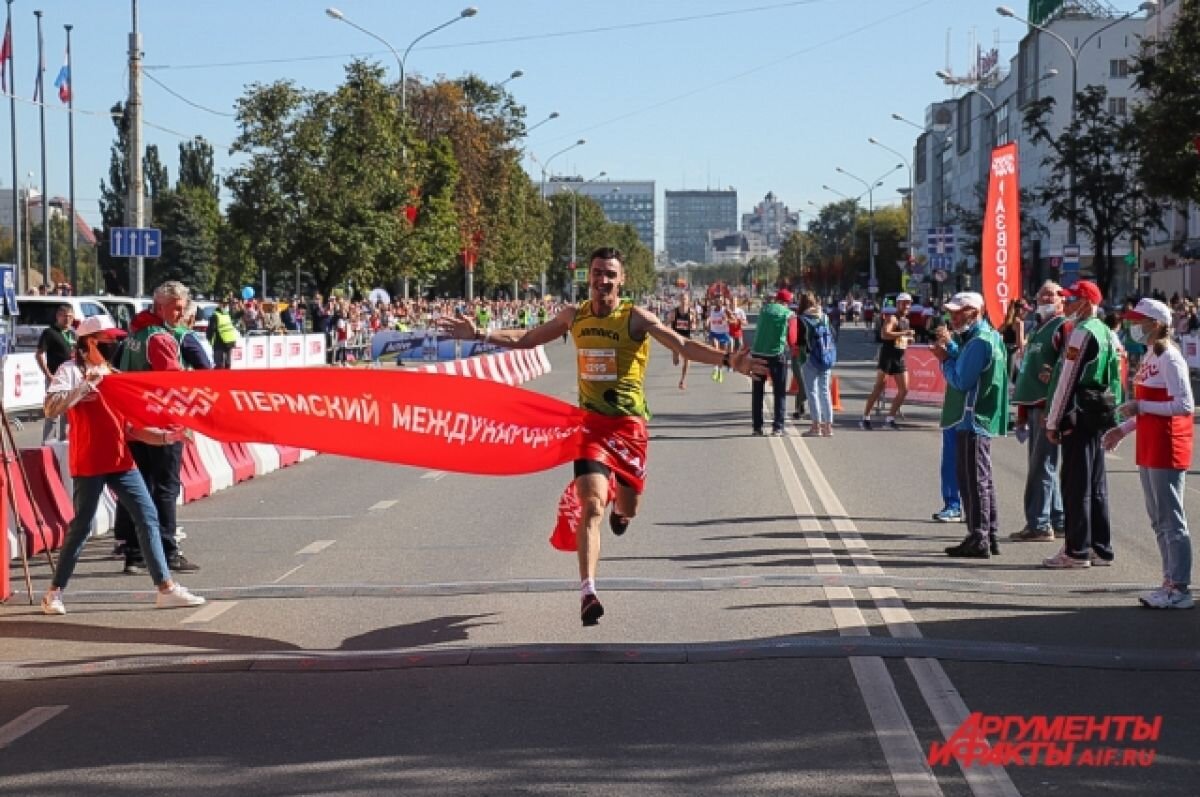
pixel 964 329
pixel 1139 334
pixel 1046 310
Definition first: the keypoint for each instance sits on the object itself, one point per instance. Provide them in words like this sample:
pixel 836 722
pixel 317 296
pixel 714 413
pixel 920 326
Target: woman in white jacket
pixel 1161 412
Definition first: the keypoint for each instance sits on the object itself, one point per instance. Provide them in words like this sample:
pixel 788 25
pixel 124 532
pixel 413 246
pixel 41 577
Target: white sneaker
pixel 1099 561
pixel 1064 561
pixel 1155 596
pixel 52 603
pixel 177 597
pixel 1168 599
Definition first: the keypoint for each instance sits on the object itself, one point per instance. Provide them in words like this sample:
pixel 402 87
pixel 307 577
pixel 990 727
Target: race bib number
pixel 598 365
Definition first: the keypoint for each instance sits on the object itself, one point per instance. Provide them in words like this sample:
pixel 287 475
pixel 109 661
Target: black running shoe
pixel 993 545
pixel 590 610
pixel 180 564
pixel 134 566
pixel 968 549
pixel 618 523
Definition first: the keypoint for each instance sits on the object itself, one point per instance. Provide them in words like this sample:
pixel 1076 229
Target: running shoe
pixel 864 423
pixel 890 423
pixel 1150 599
pixel 1044 534
pixel 1064 561
pixel 1169 599
pixel 618 523
pixel 993 545
pixel 716 375
pixel 969 549
pixel 52 603
pixel 177 597
pixel 590 610
pixel 778 433
pixel 1099 561
pixel 720 375
pixel 949 515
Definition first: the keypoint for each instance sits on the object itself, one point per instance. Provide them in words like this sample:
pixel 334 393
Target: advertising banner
pixel 926 385
pixel 1001 264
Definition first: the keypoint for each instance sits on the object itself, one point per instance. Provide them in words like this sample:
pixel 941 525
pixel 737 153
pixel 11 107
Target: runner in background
pixel 718 333
pixel 612 337
pixel 681 320
pixel 896 334
pixel 737 323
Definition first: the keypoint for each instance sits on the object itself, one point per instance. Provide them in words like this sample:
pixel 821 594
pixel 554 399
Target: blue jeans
pixel 950 497
pixel 777 367
pixel 816 388
pixel 131 492
pixel 1043 498
pixel 1164 503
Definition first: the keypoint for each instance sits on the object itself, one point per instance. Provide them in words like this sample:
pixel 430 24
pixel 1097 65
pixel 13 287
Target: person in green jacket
pixel 976 407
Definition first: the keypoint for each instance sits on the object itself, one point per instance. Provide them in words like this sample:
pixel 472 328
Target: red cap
pixel 784 296
pixel 1084 289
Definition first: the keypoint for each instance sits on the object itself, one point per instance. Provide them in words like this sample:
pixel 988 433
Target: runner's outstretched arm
pixel 465 329
pixel 648 324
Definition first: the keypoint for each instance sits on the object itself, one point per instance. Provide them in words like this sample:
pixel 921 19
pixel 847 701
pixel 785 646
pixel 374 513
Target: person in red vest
pixel 99 457
pixel 1161 412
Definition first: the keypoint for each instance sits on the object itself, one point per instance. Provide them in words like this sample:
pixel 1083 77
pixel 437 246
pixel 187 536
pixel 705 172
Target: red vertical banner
pixel 1002 235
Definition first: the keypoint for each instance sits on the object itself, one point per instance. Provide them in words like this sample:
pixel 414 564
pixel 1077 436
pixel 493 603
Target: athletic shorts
pixel 891 362
pixel 584 467
pixel 719 339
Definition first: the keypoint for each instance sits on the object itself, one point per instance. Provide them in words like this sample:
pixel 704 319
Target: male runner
pixel 897 334
pixel 612 339
pixel 681 322
pixel 718 333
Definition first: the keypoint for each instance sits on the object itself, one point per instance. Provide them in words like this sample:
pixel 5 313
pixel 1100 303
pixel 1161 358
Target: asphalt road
pixel 780 620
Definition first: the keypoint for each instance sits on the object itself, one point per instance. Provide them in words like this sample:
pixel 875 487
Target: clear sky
pixel 761 95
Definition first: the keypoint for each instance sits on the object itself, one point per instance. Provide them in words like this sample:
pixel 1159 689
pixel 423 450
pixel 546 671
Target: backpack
pixel 818 339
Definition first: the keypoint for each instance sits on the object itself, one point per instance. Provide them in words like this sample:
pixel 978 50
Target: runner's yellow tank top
pixel 612 365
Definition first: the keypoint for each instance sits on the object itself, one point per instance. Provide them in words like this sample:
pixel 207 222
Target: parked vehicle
pixel 35 313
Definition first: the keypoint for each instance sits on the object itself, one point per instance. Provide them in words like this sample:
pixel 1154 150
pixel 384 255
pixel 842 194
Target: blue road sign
pixel 135 242
pixel 940 240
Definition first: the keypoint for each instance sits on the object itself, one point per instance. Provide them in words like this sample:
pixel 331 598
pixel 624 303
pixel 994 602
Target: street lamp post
pixel 871 186
pixel 336 14
pixel 553 115
pixel 912 197
pixel 574 217
pixel 516 73
pixel 545 170
pixel 1074 52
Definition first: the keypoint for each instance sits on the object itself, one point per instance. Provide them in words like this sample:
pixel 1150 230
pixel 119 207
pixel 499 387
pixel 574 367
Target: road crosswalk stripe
pixel 29 721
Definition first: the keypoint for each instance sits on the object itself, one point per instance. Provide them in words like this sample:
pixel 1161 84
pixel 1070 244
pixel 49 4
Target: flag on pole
pixel 5 55
pixel 63 82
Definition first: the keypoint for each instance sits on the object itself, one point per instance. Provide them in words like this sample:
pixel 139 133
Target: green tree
pixel 1098 149
pixel 190 221
pixel 833 233
pixel 591 230
pixel 794 259
pixel 196 167
pixel 521 242
pixel 326 181
pixel 158 179
pixel 1168 122
pixel 431 248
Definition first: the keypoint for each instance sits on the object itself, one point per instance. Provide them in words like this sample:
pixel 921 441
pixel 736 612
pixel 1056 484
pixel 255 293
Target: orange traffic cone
pixel 835 393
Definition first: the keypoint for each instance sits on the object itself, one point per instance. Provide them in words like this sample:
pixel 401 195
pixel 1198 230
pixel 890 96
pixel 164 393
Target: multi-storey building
pixel 772 220
pixel 623 201
pixel 690 217
pixel 951 157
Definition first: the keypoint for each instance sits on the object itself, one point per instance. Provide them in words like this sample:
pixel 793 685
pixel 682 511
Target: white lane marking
pixel 945 703
pixel 270 518
pixel 315 547
pixel 288 573
pixel 27 722
pixel 378 505
pixel 210 612
pixel 435 475
pixel 898 741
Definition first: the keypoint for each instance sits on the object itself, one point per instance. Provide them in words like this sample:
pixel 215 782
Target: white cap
pixel 966 299
pixel 904 297
pixel 97 324
pixel 1151 309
